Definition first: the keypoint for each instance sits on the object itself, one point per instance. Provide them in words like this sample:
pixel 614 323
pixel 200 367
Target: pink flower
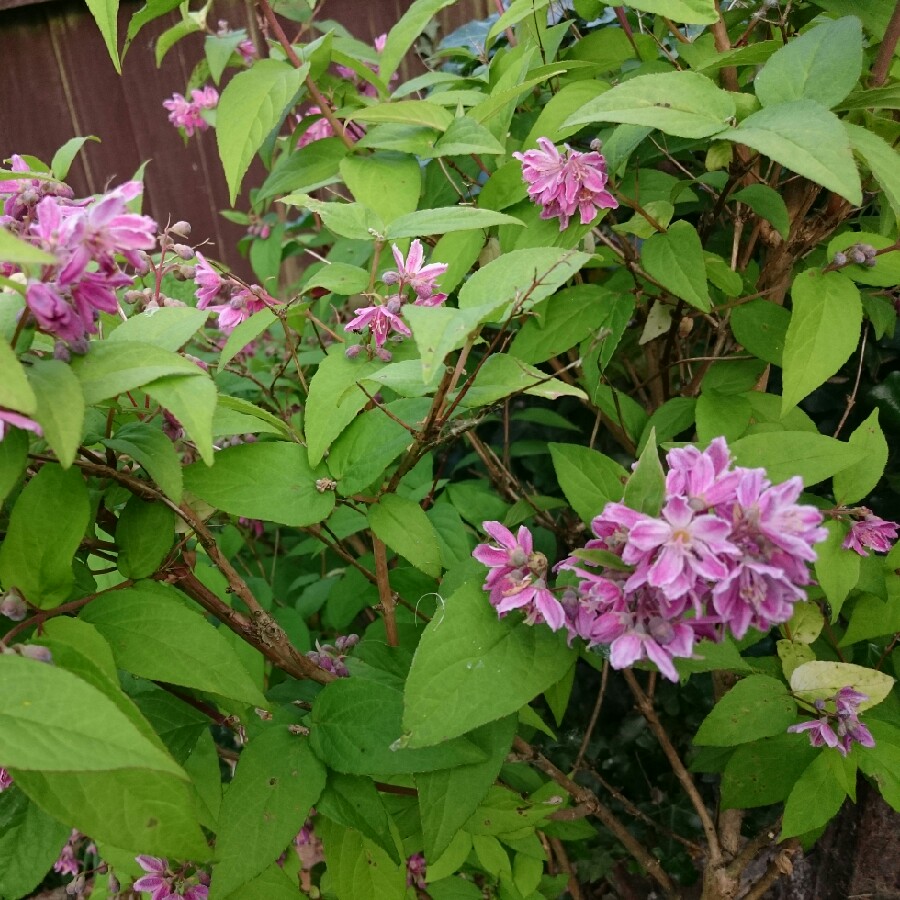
pixel 319 129
pixel 871 533
pixel 411 273
pixel 381 321
pixel 849 729
pixel 10 419
pixel 6 780
pixel 66 863
pixel 564 185
pixel 210 283
pixel 186 114
pixel 156 881
pixel 415 871
pixel 820 733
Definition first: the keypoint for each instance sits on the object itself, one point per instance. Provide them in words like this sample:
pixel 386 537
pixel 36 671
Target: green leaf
pixel 756 707
pixel 406 112
pixel 683 104
pixel 821 64
pixel 465 136
pixel 269 481
pixel 63 158
pixel 439 331
pixel 149 447
pixel 824 331
pixel 446 219
pixel 814 457
pixel 388 184
pixel 306 169
pixel 353 801
pixel 144 535
pixel 837 570
pixel 218 50
pixel 515 13
pixel 567 318
pixel 675 259
pixel 371 443
pixel 761 327
pixel 817 796
pixel 358 868
pixel 135 809
pixel 819 680
pixel 339 278
pixel 15 250
pixel 471 668
pixel 55 722
pixel 334 399
pixel 349 220
pixel 15 391
pixel 249 330
pixel 114 367
pixel 503 375
pixel 168 327
pixel 807 139
pixel 709 657
pixel 171 36
pixel 691 12
pixel 30 842
pixel 272 884
pixel 569 99
pixel 764 772
pixel 60 409
pixel 872 617
pixel 193 402
pixel 882 762
pixel 13 457
pixel 404 527
pixel 356 728
pixel 881 158
pixel 766 202
pixel 589 479
pixel 856 482
pixel 526 276
pixel 720 414
pixel 153 633
pixel 36 553
pixel 105 13
pixel 277 780
pixel 402 36
pixel 250 108
pixel 646 486
pixel 448 797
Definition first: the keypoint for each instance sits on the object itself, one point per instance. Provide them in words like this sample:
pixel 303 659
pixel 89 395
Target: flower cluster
pixel 728 551
pixel 164 882
pixel 331 657
pixel 6 780
pixel 566 183
pixel 232 301
pixel 839 729
pixel 188 114
pixel 87 238
pixel 415 871
pixel 386 318
pixel 869 532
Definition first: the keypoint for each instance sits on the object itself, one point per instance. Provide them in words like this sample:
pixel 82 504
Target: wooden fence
pixel 58 82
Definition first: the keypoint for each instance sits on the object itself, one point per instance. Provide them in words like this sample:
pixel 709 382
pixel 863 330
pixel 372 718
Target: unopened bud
pixel 76 885
pixel 858 256
pixel 61 352
pixel 325 484
pixel 181 228
pixel 184 251
pixel 188 273
pixel 840 259
pixel 869 251
pixel 33 651
pixel 384 355
pixel 353 351
pixel 596 145
pixel 13 606
pixel 133 296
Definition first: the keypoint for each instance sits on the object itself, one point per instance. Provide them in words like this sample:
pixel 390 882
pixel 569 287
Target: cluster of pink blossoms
pixel 6 780
pixel 232 301
pixel 164 882
pixel 331 656
pixel 86 238
pixel 870 532
pixel 846 730
pixel 566 183
pixel 188 114
pixel 386 318
pixel 729 551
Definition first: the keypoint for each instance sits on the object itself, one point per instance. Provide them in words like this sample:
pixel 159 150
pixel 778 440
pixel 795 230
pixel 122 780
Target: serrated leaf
pixel 471 668
pixel 64 157
pixel 269 481
pixel 445 220
pixel 60 409
pixel 691 12
pixel 822 64
pixel 15 391
pixel 277 781
pixel 768 203
pixel 816 797
pixel 756 707
pixel 807 139
pixel 764 772
pixel 683 104
pixel 406 112
pixel 761 327
pixel 837 570
pixel 388 184
pixel 251 106
pixel 675 259
pixel 37 550
pixel 589 479
pixel 144 536
pixel 857 481
pixel 404 527
pixel 153 633
pixel 149 447
pixel 360 869
pixel 820 679
pixel 105 13
pixel 881 158
pixel 193 402
pixel 168 327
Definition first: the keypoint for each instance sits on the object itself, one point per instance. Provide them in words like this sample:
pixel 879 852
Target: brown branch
pixel 678 767
pixel 779 866
pixel 886 51
pixel 595 715
pixel 590 801
pixel 385 594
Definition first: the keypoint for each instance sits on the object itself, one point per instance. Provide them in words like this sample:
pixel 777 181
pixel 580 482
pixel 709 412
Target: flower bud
pixel 353 351
pixel 384 355
pixel 840 259
pixel 181 228
pixel 184 251
pixel 858 256
pixel 61 352
pixel 13 606
pixel 33 651
pixel 868 250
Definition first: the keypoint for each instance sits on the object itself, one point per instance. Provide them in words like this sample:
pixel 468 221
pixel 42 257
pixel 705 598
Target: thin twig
pixel 886 50
pixel 595 715
pixel 385 594
pixel 851 398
